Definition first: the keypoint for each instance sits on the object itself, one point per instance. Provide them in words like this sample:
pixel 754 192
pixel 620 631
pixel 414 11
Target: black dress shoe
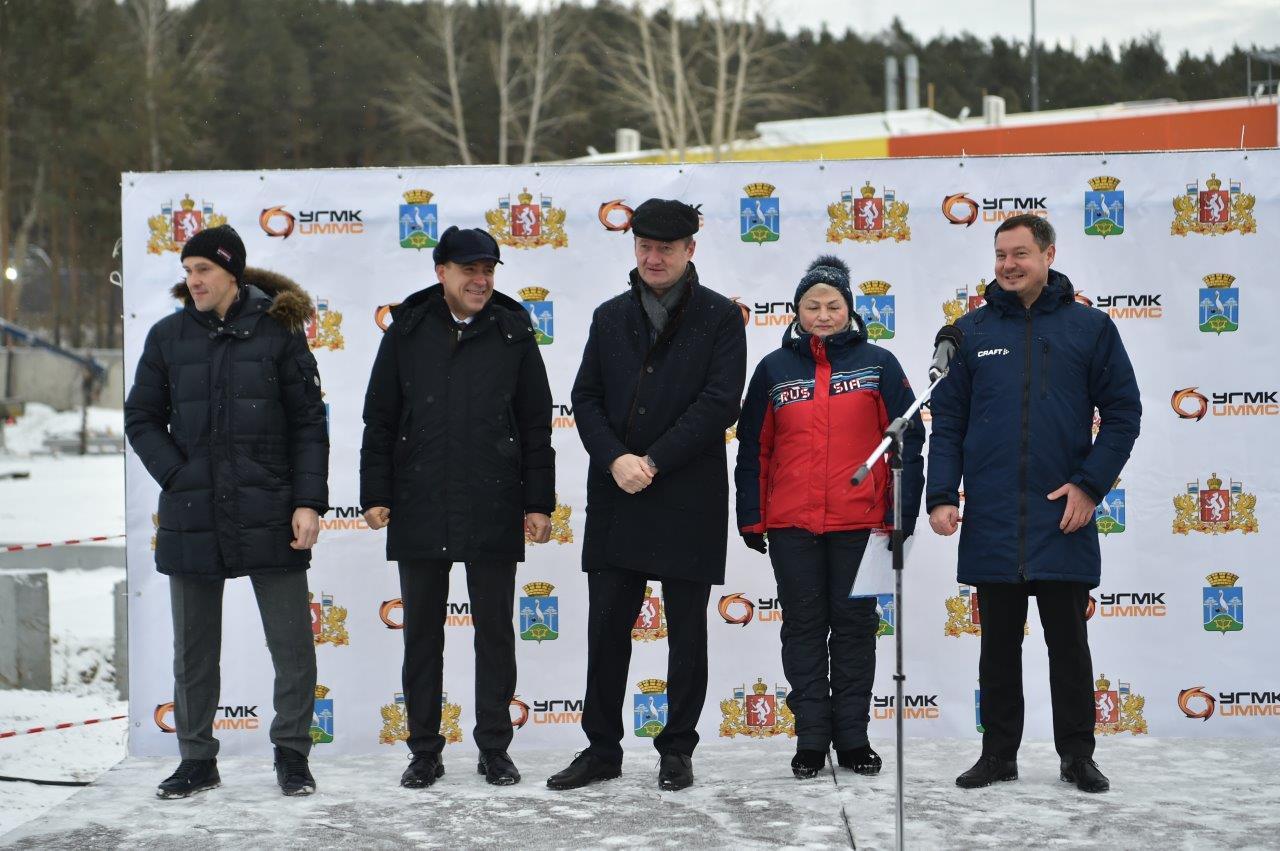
pixel 292 773
pixel 424 769
pixel 498 768
pixel 584 769
pixel 988 770
pixel 807 764
pixel 861 760
pixel 192 775
pixel 1084 772
pixel 675 772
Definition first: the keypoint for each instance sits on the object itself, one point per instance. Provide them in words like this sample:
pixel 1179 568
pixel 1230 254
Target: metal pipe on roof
pixel 912 66
pixel 891 84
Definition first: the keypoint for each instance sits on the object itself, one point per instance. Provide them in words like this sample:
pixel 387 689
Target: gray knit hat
pixel 830 270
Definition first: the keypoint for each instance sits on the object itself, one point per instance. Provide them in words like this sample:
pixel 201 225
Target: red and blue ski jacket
pixel 815 409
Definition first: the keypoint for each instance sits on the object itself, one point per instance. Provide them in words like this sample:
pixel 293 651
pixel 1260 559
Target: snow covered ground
pixel 1166 793
pixel 81 626
pixel 26 436
pixel 77 753
pixel 64 497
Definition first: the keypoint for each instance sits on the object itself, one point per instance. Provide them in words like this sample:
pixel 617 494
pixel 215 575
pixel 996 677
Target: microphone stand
pixel 893 438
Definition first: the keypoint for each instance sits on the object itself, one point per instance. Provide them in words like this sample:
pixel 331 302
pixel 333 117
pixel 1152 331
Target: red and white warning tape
pixel 18 547
pixel 10 733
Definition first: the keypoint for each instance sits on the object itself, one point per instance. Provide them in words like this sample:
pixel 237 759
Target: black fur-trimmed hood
pixel 290 304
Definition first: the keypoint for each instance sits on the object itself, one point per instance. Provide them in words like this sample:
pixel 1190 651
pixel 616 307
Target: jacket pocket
pixel 513 434
pixel 180 480
pixel 262 468
pixel 403 446
pixel 310 374
pixel 275 460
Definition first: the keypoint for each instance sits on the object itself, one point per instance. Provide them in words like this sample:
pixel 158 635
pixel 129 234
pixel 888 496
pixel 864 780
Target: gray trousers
pixel 197 651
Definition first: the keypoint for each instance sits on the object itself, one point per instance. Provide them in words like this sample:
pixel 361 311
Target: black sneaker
pixel 193 775
pixel 988 770
pixel 424 769
pixel 1084 772
pixel 584 769
pixel 497 768
pixel 292 773
pixel 806 764
pixel 675 772
pixel 861 760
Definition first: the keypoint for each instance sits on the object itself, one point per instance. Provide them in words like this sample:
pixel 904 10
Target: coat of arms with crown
pixel 526 224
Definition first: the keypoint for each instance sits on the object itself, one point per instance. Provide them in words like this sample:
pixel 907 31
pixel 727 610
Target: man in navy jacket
pixel 1014 419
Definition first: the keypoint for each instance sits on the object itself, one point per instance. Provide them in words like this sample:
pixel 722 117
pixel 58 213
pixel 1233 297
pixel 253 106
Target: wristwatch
pixel 652 466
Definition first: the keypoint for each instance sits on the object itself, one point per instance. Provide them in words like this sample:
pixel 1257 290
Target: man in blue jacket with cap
pixel 1014 419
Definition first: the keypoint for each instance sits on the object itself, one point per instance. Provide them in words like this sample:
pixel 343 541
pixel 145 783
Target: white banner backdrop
pixel 1183 268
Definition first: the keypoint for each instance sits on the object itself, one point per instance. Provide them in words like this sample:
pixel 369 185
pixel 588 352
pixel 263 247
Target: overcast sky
pixel 1195 25
pixel 1199 26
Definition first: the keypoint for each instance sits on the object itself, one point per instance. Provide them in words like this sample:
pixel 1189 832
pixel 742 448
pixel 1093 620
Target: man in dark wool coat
pixel 660 382
pixel 226 414
pixel 457 464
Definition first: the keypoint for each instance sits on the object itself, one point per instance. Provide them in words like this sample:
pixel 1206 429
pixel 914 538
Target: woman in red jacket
pixel 815 409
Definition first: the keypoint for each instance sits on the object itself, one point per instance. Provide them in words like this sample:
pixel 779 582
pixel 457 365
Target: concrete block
pixel 120 599
pixel 24 632
pixel 80 557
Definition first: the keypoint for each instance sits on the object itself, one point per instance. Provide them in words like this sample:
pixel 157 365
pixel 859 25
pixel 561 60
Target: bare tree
pixel 153 21
pixel 638 78
pixel 500 59
pixel 550 60
pixel 22 237
pixel 419 103
pixel 6 286
pixel 728 45
pixel 155 26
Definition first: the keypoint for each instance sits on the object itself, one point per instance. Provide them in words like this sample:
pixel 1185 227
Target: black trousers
pixel 424 592
pixel 615 599
pixel 828 640
pixel 1003 610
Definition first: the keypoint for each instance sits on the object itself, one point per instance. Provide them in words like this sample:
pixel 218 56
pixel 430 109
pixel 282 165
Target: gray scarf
pixel 660 308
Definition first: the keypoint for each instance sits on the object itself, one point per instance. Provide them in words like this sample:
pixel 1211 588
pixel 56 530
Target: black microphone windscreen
pixel 949 332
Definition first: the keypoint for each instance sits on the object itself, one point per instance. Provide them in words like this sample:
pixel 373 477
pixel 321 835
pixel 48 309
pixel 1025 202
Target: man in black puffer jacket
pixel 457 463
pixel 226 414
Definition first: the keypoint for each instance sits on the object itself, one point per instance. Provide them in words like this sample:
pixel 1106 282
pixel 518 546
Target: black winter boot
pixel 806 764
pixel 862 760
pixel 292 773
pixel 192 775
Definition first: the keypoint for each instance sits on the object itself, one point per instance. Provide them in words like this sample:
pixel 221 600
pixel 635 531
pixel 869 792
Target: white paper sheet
pixel 875 572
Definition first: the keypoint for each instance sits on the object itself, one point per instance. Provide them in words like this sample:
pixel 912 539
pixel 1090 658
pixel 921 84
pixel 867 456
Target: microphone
pixel 945 345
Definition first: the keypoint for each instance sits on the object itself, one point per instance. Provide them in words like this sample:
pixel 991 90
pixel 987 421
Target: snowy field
pixel 65 496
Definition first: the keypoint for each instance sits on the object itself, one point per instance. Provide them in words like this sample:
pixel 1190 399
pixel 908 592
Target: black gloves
pixel 755 540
